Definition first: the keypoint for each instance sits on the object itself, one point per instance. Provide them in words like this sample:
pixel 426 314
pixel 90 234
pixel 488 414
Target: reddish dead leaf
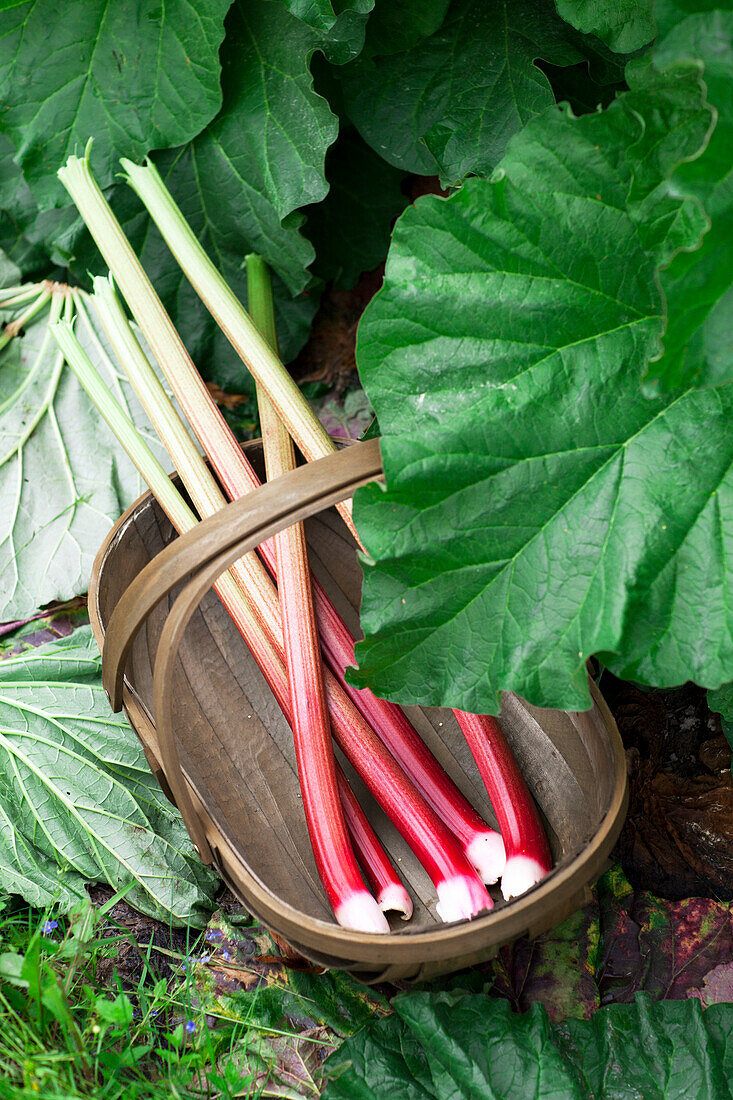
pixel 228 400
pixel 717 985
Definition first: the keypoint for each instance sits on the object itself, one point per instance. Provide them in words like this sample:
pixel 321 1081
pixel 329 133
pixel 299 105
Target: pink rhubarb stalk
pixel 461 895
pixel 528 857
pixel 391 895
pixel 352 904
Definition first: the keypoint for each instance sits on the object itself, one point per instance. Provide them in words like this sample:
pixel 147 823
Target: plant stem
pixel 13 328
pixel 18 295
pixel 528 857
pixel 221 301
pixel 337 867
pixel 460 893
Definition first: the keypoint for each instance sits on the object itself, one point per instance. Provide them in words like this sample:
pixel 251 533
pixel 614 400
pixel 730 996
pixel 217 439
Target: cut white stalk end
pixel 458 899
pixel 361 913
pixel 521 874
pixel 487 854
pixel 395 899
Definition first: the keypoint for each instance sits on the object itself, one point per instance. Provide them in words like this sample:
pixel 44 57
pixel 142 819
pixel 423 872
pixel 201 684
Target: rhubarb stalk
pixel 200 484
pixel 231 316
pixel 13 327
pixel 391 895
pixel 353 906
pixel 460 893
pixel 482 845
pixel 528 857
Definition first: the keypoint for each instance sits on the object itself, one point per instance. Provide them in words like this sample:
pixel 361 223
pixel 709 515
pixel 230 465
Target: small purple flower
pixel 154 1012
pixel 226 955
pixel 213 934
pixel 49 927
pixel 190 1027
pixel 204 958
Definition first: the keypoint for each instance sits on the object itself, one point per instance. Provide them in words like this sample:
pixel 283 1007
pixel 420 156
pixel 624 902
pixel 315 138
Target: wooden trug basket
pixel 222 750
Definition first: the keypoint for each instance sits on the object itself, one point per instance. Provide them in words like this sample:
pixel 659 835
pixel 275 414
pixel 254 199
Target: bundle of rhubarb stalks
pixel 283 614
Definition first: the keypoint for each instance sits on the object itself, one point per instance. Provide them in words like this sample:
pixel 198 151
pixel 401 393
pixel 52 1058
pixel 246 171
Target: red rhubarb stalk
pixel 483 846
pixel 391 895
pixel 353 905
pixel 461 895
pixel 528 856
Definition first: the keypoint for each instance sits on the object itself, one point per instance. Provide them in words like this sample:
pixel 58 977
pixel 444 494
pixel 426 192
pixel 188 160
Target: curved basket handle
pixel 204 553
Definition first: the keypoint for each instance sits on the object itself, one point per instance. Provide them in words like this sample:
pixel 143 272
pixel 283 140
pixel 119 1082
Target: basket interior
pixel 236 747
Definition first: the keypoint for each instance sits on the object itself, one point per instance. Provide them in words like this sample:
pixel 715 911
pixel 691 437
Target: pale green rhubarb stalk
pixel 482 845
pixel 205 494
pixel 11 296
pixel 351 903
pixel 260 357
pixel 130 277
pixel 460 893
pixel 208 498
pixel 13 328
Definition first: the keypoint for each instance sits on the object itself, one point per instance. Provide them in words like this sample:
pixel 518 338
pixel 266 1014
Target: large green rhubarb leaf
pixel 135 74
pixel 397 25
pixel 78 802
pixel 721 702
pixel 467 1046
pixel 64 479
pixel 698 285
pixel 538 508
pixel 452 101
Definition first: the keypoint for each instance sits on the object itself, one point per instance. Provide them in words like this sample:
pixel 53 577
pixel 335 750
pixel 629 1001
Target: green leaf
pixel 720 702
pixel 350 229
pixel 340 27
pixel 698 285
pixel 452 101
pixel 263 157
pixel 539 509
pixel 9 273
pixel 624 25
pixel 134 75
pixel 398 25
pixel 448 1046
pixel 64 479
pixel 240 185
pixel 77 800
